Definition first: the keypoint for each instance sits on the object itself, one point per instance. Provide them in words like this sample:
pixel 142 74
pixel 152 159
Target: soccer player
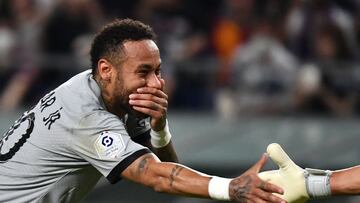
pixel 110 121
pixel 300 185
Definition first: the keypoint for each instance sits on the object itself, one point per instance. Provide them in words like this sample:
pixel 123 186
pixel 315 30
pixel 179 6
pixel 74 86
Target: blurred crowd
pixel 234 57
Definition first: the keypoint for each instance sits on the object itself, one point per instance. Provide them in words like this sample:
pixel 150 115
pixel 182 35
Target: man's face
pixel 140 68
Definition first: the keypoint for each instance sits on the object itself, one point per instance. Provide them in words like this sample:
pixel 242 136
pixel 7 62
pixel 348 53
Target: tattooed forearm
pixel 240 189
pixel 175 172
pixel 143 165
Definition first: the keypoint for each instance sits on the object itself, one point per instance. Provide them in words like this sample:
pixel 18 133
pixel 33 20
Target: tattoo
pixel 175 172
pixel 240 189
pixel 142 168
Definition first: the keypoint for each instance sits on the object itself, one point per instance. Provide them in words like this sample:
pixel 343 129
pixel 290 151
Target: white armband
pixel 318 183
pixel 160 138
pixel 219 188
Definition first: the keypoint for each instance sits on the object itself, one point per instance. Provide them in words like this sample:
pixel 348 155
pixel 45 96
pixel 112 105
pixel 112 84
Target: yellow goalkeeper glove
pixel 299 184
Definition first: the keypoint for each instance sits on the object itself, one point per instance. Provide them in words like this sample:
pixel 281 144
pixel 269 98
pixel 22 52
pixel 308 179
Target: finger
pixel 147 97
pixel 153 91
pixel 274 198
pixel 278 155
pixel 257 167
pixel 257 200
pixel 145 103
pixel 150 112
pixel 271 188
pixel 268 197
pixel 149 105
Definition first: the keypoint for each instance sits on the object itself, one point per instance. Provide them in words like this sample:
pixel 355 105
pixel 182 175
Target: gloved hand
pixel 289 177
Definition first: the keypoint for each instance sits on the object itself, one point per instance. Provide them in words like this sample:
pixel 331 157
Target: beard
pixel 121 101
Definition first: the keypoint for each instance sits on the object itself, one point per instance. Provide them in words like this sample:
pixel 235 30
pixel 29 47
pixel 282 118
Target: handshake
pixel 298 184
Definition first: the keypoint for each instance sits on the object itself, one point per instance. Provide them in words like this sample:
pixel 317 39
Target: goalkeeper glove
pixel 299 184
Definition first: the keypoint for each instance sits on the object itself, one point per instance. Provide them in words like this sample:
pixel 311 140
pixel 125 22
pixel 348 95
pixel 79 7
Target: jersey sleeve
pixel 102 140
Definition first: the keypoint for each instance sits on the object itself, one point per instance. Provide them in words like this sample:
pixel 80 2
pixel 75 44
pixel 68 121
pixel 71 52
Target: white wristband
pixel 219 188
pixel 160 138
pixel 318 183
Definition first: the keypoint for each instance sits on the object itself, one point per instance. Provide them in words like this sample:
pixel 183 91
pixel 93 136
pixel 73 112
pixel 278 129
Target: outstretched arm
pixel 300 184
pixel 346 181
pixel 178 179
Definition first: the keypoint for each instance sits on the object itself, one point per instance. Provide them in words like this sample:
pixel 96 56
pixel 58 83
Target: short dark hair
pixel 108 43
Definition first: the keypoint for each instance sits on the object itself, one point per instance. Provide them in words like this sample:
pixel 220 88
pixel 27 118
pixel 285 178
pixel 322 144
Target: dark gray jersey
pixel 57 151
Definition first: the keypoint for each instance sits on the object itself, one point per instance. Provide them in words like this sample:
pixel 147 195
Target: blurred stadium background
pixel 240 74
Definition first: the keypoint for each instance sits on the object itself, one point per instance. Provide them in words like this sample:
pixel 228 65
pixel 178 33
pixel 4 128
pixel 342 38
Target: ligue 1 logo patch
pixel 109 145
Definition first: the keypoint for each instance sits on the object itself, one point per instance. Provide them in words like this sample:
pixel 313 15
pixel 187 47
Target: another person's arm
pixel 300 185
pixel 346 181
pixel 178 179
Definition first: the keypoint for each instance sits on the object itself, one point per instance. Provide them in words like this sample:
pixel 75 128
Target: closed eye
pixel 144 70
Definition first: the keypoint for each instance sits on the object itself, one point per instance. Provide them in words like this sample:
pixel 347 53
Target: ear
pixel 105 69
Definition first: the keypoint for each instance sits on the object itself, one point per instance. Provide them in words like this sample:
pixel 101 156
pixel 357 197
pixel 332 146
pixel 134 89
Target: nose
pixel 154 81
